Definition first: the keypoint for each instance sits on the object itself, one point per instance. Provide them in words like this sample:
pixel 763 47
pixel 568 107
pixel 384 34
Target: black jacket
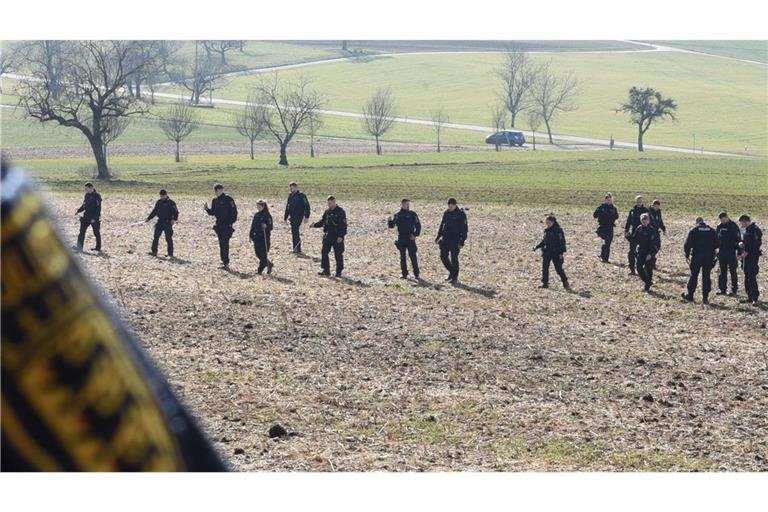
pixel 333 222
pixel 297 207
pixel 553 241
pixel 453 228
pixel 224 209
pixel 656 220
pixel 701 244
pixel 165 210
pixel 728 237
pixel 753 239
pixel 407 223
pixel 633 218
pixel 257 233
pixel 647 239
pixel 91 206
pixel 606 215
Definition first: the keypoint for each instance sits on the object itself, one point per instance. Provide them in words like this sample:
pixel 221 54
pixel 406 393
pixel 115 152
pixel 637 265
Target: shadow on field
pixel 100 254
pixel 241 275
pixel 352 282
pixel 178 261
pixel 283 280
pixel 581 293
pixel 485 292
pixel 423 283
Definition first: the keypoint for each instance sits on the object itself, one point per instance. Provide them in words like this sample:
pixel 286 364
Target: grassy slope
pixel 749 50
pixel 685 184
pixel 722 102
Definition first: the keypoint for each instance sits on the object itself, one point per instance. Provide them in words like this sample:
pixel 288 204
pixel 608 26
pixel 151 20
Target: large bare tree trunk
pixel 639 138
pixel 101 159
pixel 177 152
pixel 549 131
pixel 283 155
pixel 251 149
pixel 378 147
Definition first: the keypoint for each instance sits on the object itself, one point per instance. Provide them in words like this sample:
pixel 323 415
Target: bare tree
pixel 379 114
pixel 534 122
pixel 645 107
pixel 290 105
pixel 517 75
pixel 180 121
pixel 201 75
pixel 439 119
pixel 9 60
pixel 47 58
pixel 313 126
pixel 221 48
pixel 250 122
pixel 86 90
pixel 553 93
pixel 113 128
pixel 158 55
pixel 499 120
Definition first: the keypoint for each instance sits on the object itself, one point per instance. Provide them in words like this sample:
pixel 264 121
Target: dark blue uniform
pixel 632 224
pixel 167 213
pixel 408 228
pixel 261 238
pixel 646 242
pixel 552 247
pixel 753 239
pixel 334 224
pixel 728 238
pixel 451 235
pixel 296 210
pixel 225 211
pixel 700 247
pixel 606 215
pixel 91 209
pixel 657 221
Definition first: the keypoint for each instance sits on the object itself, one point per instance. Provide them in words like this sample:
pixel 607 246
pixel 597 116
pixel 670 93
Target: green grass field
pixel 722 102
pixel 693 185
pixel 749 50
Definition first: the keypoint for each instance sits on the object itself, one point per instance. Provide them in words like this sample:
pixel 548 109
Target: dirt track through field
pixel 373 373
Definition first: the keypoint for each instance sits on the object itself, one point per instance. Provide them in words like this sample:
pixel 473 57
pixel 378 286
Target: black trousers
pixel 296 233
pixel 329 242
pixel 705 268
pixel 262 252
pixel 224 233
pixel 161 228
pixel 408 246
pixel 728 264
pixel 546 259
pixel 751 269
pixel 631 255
pixel 96 226
pixel 607 235
pixel 645 268
pixel 449 255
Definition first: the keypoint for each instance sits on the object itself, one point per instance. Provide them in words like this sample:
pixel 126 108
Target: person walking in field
pixel 752 240
pixel 91 210
pixel 296 211
pixel 646 241
pixel 408 228
pixel 606 215
pixel 334 224
pixel 224 209
pixel 260 235
pixel 632 224
pixel 657 221
pixel 167 214
pixel 451 236
pixel 552 252
pixel 728 238
pixel 700 247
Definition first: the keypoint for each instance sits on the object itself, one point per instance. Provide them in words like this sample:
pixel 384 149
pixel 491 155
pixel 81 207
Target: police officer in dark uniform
pixel 632 224
pixel 451 237
pixel 224 209
pixel 167 214
pixel 700 247
pixel 408 228
pixel 728 238
pixel 606 215
pixel 261 235
pixel 646 240
pixel 552 251
pixel 752 239
pixel 657 221
pixel 91 209
pixel 296 211
pixel 334 224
